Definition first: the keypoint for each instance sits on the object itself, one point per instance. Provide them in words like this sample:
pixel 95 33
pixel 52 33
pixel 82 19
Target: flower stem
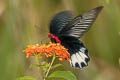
pixel 37 62
pixel 53 59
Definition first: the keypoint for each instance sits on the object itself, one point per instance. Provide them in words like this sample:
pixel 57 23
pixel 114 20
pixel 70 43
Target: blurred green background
pixel 24 22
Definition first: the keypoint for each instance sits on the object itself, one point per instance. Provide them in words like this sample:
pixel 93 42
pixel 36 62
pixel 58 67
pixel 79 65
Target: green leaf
pixel 26 78
pixel 68 75
pixel 56 65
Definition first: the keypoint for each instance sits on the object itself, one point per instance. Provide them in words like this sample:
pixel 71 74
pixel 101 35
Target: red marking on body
pixel 49 35
pixel 54 37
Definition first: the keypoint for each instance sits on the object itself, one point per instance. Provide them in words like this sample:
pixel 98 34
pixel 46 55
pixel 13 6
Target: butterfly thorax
pixel 54 38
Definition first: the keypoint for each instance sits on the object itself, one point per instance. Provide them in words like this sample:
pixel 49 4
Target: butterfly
pixel 67 30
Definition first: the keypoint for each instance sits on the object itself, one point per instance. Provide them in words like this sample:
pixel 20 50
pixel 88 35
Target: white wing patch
pixel 79 60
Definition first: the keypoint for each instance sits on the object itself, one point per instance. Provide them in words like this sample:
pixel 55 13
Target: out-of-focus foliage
pixel 24 22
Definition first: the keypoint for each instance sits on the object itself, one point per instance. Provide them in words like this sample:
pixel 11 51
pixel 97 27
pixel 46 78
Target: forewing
pixel 59 21
pixel 80 24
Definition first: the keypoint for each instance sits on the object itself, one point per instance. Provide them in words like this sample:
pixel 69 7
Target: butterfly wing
pixel 80 24
pixel 78 53
pixel 70 34
pixel 59 21
pixel 69 31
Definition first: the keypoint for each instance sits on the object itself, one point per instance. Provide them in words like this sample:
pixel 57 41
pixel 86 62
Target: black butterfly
pixel 67 30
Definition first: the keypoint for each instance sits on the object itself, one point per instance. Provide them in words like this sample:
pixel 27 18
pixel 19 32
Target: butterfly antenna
pixel 44 40
pixel 39 28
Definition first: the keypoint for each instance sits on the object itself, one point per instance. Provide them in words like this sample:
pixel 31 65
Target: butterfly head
pixel 50 35
pixel 54 38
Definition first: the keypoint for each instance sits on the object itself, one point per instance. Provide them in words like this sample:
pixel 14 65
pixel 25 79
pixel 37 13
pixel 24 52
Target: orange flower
pixel 47 50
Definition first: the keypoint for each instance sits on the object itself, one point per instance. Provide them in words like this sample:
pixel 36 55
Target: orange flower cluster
pixel 48 50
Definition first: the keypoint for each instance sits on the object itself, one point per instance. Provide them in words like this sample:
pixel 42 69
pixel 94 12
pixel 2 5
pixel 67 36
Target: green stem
pixel 37 62
pixel 53 59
